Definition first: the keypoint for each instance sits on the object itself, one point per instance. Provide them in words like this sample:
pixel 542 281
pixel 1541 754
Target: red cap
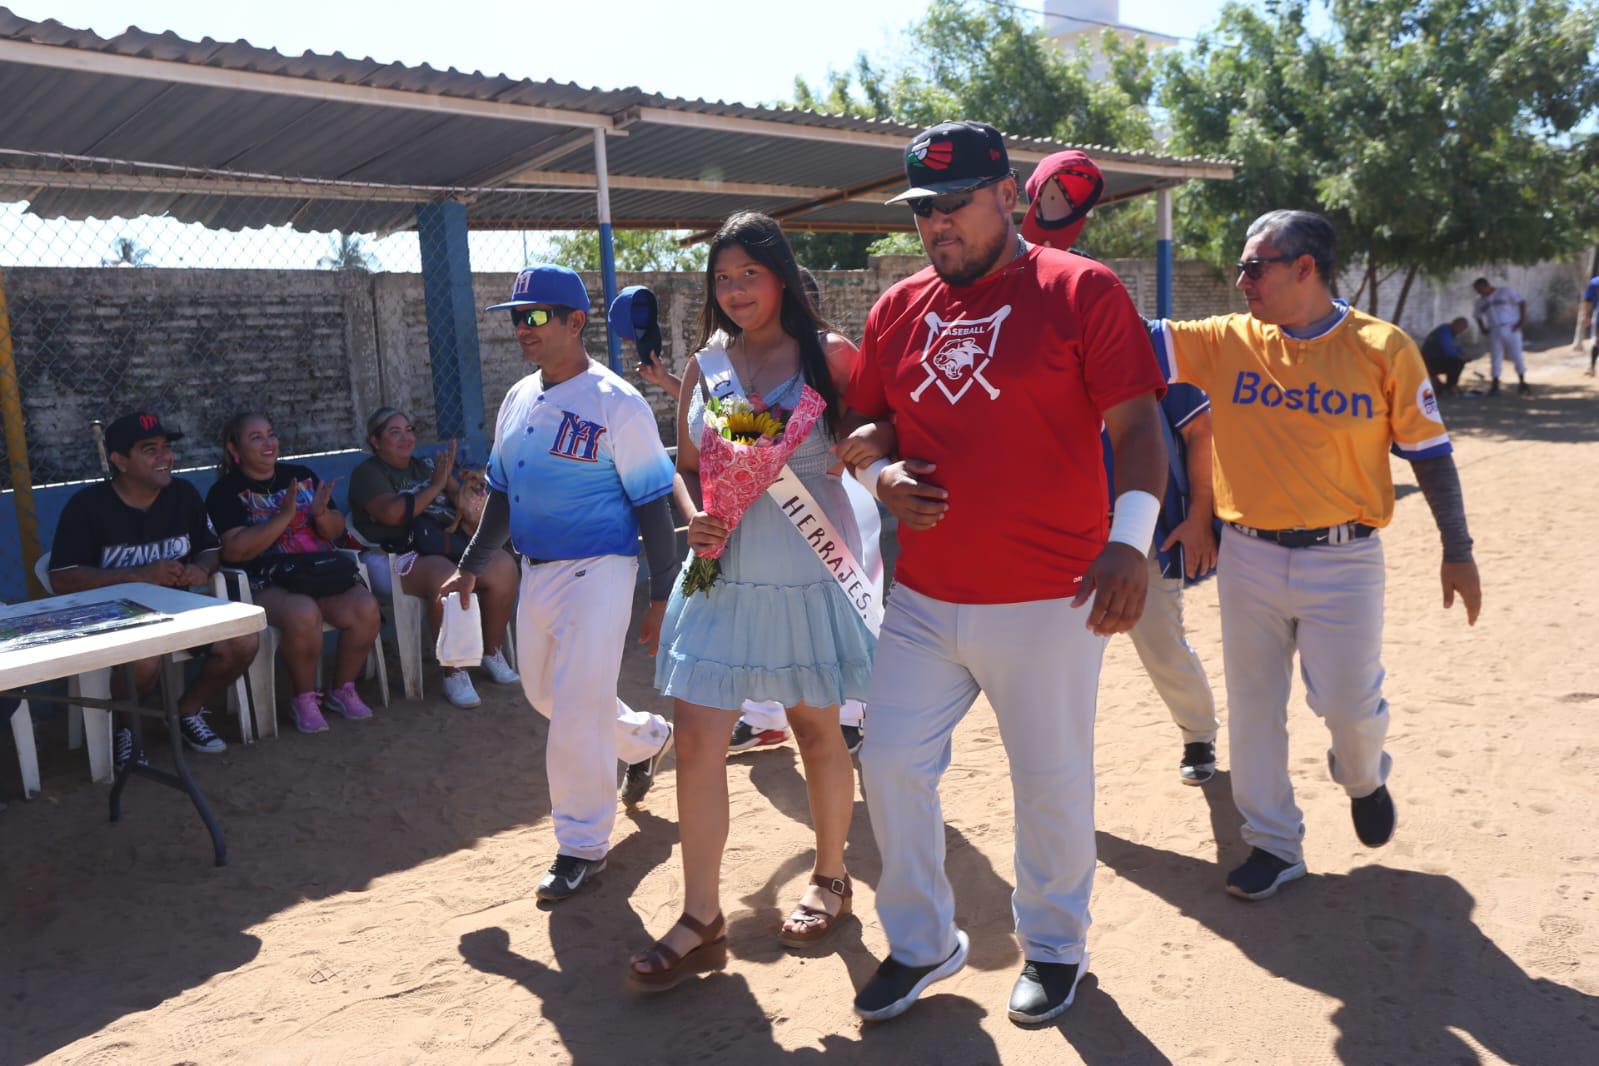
pixel 1079 178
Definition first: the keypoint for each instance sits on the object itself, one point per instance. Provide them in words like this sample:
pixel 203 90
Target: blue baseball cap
pixel 546 283
pixel 633 316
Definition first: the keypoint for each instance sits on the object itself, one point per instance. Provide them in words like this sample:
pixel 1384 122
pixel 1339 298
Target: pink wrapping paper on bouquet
pixel 734 475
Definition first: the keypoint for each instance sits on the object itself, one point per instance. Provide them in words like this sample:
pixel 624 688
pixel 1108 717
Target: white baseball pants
pixel 771 715
pixel 571 624
pixel 1171 662
pixel 1038 664
pixel 1503 341
pixel 1325 602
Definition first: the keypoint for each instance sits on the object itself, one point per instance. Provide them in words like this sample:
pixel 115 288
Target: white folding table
pixel 193 621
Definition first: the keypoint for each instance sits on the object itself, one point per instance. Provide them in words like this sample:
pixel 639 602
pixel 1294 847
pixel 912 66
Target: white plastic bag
pixel 460 634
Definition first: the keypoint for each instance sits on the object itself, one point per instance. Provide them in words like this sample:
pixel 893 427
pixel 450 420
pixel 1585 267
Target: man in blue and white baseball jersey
pixel 576 473
pixel 1501 313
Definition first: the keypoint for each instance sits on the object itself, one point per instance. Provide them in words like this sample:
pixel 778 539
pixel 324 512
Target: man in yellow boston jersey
pixel 1308 397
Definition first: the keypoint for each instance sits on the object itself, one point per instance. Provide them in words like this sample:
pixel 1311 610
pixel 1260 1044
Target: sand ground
pixel 379 908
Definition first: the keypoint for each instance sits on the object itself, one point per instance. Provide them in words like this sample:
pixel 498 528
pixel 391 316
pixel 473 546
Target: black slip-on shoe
pixel 1199 763
pixel 895 986
pixel 1044 990
pixel 640 776
pixel 1375 817
pixel 1262 874
pixel 567 876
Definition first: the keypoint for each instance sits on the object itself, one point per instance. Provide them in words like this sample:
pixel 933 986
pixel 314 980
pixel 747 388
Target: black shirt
pixel 236 500
pixel 99 529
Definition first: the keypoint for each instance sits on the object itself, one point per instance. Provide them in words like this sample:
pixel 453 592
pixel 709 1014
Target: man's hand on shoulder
pixel 1118 579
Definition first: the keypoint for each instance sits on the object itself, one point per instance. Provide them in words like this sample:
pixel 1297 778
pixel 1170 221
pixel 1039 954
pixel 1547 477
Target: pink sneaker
pixel 345 701
pixel 308 713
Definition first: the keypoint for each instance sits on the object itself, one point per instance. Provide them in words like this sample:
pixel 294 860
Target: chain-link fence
pixel 201 294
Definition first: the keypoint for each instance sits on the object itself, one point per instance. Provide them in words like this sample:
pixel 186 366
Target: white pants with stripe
pixel 1038 664
pixel 1326 603
pixel 571 624
pixel 1171 662
pixel 1506 341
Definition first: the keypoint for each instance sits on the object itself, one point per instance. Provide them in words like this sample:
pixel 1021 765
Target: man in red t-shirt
pixel 997 365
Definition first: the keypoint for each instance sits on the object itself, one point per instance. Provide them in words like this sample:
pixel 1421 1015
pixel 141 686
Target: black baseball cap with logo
pixel 953 157
pixel 125 432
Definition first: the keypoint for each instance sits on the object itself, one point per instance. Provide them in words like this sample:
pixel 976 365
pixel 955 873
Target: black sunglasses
pixel 1255 267
pixel 531 316
pixel 950 202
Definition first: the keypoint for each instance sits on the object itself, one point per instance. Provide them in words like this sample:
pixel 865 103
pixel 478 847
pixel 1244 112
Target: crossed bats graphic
pixel 935 324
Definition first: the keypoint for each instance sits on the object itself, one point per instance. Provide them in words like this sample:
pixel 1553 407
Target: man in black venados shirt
pixel 144 525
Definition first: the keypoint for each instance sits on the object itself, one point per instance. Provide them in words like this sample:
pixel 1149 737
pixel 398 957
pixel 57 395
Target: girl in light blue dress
pixel 776 626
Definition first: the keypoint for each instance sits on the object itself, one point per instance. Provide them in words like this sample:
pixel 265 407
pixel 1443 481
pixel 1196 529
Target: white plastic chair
pixel 94 723
pixel 263 671
pixel 410 616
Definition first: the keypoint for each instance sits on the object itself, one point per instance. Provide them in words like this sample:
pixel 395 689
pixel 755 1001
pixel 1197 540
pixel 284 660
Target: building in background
pixel 1071 23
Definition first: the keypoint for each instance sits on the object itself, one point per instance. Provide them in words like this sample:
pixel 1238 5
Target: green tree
pixel 1436 134
pixel 349 253
pixel 635 249
pixel 993 62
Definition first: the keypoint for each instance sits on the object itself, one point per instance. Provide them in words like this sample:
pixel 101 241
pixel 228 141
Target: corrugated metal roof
pixel 111 108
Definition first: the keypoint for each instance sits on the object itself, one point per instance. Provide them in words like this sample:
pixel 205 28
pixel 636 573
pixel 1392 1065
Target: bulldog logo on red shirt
pixel 957 353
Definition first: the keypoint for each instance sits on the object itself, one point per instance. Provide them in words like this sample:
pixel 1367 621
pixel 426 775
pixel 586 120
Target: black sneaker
pixel 1493 390
pixel 641 775
pixel 1199 763
pixel 747 738
pixel 853 736
pixel 895 986
pixel 199 736
pixel 567 875
pixel 1524 389
pixel 1262 874
pixel 1044 990
pixel 122 751
pixel 1374 817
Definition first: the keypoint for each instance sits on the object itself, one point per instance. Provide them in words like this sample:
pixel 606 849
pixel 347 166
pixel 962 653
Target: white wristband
pixel 1134 522
pixel 868 477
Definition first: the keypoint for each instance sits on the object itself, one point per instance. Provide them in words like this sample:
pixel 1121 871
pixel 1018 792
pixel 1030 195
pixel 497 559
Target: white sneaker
pixel 500 671
pixel 459 691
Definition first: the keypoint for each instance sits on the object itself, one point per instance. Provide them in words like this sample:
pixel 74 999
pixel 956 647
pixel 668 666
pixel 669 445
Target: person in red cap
pixel 1060 193
pixel 1062 190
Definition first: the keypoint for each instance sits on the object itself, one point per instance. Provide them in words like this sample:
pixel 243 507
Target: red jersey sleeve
pixel 865 393
pixel 1118 359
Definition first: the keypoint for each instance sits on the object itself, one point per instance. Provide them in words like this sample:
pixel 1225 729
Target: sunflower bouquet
pixel 743 449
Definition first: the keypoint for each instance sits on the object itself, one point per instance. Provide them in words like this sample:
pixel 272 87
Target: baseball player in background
pixel 998 364
pixel 1062 190
pixel 1501 312
pixel 576 473
pixel 1590 320
pixel 1309 396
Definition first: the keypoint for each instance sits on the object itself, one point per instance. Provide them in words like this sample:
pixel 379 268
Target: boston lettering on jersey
pixel 1313 398
pixel 117 556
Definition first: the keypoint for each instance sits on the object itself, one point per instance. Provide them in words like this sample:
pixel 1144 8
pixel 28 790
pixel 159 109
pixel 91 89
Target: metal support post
pixel 452 324
pixel 17 451
pixel 607 248
pixel 1163 256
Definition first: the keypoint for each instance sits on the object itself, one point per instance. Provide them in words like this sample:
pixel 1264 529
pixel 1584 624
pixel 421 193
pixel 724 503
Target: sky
pixel 731 50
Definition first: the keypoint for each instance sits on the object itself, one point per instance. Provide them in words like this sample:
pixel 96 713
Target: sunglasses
pixel 531 316
pixel 950 202
pixel 1254 268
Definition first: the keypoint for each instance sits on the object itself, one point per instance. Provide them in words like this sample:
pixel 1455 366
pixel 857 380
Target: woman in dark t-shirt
pixel 392 491
pixel 263 508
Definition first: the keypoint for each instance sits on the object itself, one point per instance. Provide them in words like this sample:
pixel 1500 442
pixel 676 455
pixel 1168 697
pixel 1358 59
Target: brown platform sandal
pixel 817 925
pixel 670 968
